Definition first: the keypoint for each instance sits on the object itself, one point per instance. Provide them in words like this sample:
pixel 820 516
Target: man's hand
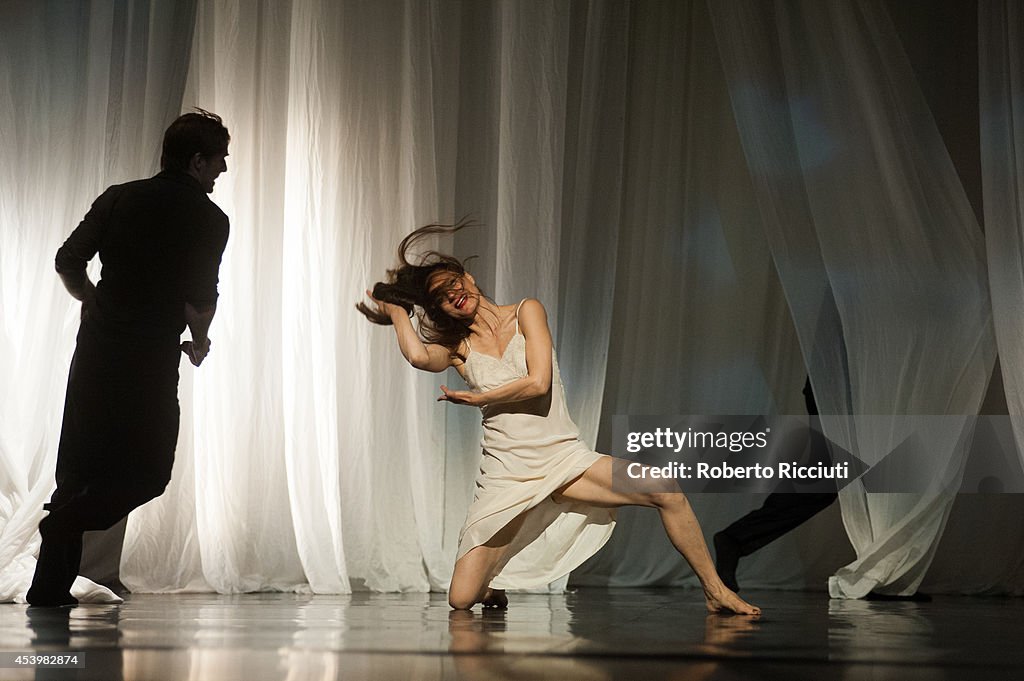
pixel 198 320
pixel 88 298
pixel 80 287
pixel 196 352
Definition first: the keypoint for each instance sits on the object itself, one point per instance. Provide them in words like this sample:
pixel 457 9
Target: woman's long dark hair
pixel 408 285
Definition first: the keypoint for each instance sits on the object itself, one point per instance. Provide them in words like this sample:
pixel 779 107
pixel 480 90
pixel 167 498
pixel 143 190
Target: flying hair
pixel 408 286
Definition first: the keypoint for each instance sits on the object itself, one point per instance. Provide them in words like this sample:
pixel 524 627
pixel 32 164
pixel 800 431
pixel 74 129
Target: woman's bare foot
pixel 495 598
pixel 722 599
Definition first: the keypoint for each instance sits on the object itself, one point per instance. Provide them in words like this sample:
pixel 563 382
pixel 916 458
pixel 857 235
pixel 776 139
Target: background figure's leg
pixel 61 549
pixel 56 569
pixel 780 513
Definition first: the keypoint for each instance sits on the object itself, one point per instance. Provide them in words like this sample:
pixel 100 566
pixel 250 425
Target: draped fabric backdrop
pixel 1001 71
pixel 1001 43
pixel 711 198
pixel 865 166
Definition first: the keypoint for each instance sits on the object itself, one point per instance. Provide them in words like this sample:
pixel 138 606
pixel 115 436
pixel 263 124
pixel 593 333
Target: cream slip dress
pixel 530 449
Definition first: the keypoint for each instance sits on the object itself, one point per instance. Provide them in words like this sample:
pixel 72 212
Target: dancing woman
pixel 543 500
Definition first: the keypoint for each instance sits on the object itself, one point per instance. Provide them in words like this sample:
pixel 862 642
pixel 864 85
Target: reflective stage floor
pixel 630 634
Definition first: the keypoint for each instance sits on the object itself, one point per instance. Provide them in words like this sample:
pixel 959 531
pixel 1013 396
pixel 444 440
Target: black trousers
pixel 780 513
pixel 116 448
pixel 783 511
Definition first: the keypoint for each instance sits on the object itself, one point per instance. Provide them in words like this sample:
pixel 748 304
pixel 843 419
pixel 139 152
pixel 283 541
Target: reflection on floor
pixel 630 634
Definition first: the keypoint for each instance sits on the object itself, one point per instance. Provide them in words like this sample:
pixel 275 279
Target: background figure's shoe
pixel 727 557
pixel 36 599
pixel 56 568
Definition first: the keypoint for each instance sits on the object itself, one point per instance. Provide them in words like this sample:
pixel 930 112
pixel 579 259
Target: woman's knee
pixel 461 599
pixel 467 582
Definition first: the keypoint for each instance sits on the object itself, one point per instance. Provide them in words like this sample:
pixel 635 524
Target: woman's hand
pixel 466 397
pixel 386 308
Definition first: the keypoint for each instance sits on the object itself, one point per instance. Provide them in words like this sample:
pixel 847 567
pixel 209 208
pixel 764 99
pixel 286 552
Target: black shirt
pixel 160 241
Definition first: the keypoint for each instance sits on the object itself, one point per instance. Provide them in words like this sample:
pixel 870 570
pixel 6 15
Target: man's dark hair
pixel 201 133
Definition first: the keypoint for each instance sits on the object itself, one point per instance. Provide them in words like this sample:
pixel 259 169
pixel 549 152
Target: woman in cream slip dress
pixel 531 448
pixel 544 501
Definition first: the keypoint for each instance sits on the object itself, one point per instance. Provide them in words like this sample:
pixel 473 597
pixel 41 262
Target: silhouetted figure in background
pixel 160 241
pixel 780 513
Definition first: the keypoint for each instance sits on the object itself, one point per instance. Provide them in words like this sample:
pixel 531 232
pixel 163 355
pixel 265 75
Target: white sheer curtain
pixel 1001 85
pixel 86 90
pixel 858 160
pixel 512 140
pixel 316 454
pixel 1001 88
pixel 704 194
pixel 338 466
pixel 698 308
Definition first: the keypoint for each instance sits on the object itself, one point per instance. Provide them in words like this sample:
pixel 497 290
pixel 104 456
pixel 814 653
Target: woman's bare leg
pixel 595 487
pixel 475 570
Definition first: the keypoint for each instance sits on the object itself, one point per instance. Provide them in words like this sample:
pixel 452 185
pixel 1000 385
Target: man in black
pixel 160 241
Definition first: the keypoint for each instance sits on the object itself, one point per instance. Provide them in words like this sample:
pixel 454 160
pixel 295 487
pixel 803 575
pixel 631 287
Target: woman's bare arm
pixel 423 356
pixel 533 322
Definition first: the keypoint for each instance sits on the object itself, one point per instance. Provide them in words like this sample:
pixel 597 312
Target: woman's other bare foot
pixel 495 598
pixel 722 599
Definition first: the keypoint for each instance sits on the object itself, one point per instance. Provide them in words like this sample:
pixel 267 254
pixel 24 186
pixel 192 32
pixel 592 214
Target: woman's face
pixel 456 294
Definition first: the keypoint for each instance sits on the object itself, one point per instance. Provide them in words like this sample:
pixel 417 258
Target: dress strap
pixel 517 313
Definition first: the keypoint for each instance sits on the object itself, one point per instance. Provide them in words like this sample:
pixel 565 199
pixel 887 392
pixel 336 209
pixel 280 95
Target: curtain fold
pixel 1001 88
pixel 592 204
pixel 858 160
pixel 221 511
pixel 697 305
pixel 1001 101
pixel 316 447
